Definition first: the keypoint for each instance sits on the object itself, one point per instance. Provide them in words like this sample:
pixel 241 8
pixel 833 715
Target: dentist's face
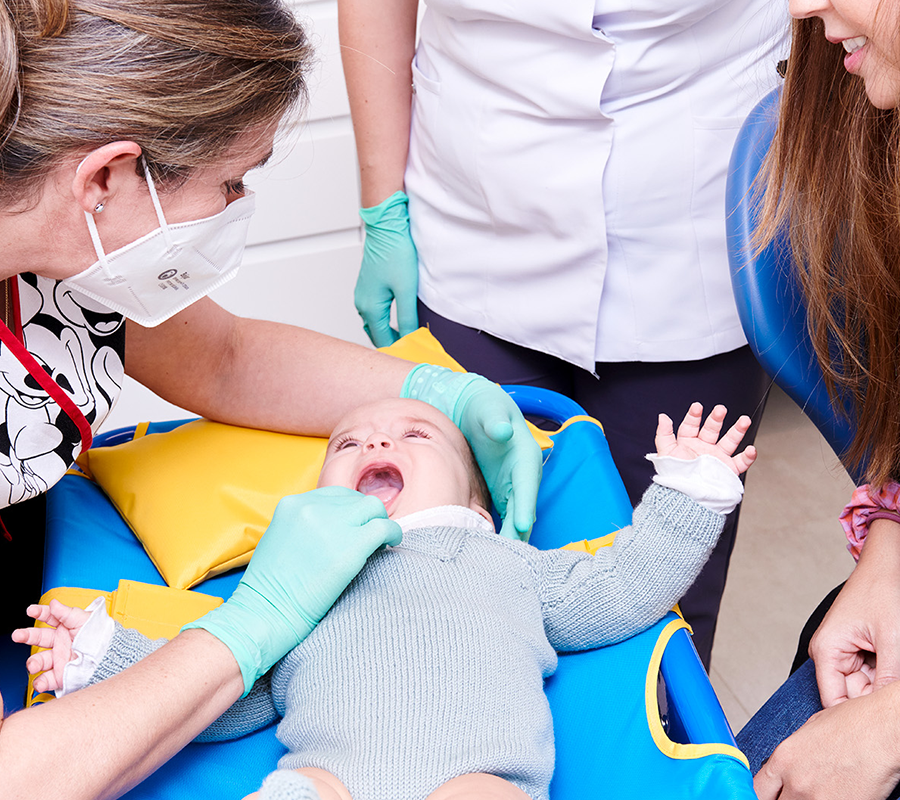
pixel 868 31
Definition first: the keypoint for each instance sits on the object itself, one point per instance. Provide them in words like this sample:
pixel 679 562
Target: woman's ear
pixel 103 172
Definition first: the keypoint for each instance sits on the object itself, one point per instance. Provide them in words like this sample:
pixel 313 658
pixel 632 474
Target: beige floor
pixel 790 553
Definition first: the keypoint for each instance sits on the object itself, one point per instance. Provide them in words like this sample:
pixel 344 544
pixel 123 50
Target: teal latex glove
pixel 505 450
pixel 389 272
pixel 315 545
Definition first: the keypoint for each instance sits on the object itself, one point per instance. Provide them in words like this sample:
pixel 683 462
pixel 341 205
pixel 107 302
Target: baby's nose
pixel 377 441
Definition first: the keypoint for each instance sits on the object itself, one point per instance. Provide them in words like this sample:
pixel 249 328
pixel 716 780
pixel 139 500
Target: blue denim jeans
pixel 795 702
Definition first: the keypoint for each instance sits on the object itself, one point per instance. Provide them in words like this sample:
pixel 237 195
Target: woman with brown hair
pixel 833 177
pixel 126 127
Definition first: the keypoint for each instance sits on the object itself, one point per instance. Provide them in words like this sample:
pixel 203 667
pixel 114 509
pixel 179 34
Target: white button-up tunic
pixel 567 168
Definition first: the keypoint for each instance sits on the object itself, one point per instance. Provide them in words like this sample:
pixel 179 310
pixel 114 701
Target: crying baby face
pixel 404 452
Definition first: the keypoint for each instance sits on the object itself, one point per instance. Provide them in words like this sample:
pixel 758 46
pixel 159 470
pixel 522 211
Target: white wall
pixel 304 246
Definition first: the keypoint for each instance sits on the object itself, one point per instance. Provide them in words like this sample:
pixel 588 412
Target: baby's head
pixel 406 453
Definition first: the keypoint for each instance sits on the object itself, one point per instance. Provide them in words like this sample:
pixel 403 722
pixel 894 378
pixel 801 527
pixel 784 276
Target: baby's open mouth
pixel 383 481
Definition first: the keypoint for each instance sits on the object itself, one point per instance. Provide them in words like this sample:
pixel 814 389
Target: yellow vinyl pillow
pixel 199 497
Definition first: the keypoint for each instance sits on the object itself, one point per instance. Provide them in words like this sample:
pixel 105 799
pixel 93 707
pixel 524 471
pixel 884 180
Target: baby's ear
pixel 476 506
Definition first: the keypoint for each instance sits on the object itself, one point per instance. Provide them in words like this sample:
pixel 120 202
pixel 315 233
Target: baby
pixel 425 680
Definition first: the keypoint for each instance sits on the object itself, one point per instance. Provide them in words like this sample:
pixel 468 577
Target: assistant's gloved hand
pixel 315 545
pixel 506 451
pixel 389 271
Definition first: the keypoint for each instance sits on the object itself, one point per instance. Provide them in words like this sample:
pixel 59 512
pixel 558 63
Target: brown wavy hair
pixel 182 78
pixel 832 180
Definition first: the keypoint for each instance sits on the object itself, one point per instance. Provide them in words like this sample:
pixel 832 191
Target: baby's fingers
pixel 46 682
pixel 742 461
pixel 712 426
pixel 68 616
pixel 40 612
pixel 36 637
pixel 735 435
pixel 690 425
pixel 665 435
pixel 42 661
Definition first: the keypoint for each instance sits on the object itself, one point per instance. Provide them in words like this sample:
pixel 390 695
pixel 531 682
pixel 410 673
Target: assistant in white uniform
pixel 565 165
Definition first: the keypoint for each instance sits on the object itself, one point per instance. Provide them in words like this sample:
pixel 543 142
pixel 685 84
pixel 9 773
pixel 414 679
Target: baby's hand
pixel 66 622
pixel 693 441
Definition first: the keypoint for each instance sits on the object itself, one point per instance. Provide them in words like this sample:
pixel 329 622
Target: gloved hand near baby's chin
pixel 315 545
pixel 507 453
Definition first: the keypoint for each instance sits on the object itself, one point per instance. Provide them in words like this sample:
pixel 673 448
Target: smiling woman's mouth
pixel 382 481
pixel 854 44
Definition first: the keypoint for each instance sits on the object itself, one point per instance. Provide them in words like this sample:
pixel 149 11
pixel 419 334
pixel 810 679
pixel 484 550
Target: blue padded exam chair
pixel 768 295
pixel 613 739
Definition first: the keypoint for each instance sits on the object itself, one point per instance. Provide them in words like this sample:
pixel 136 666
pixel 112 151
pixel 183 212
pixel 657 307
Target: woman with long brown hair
pixel 833 178
pixel 126 127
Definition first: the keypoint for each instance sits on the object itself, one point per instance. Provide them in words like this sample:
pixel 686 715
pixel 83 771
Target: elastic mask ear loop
pixel 98 247
pixel 171 247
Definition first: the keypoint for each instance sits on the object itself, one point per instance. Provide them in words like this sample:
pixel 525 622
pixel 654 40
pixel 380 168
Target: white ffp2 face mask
pixel 163 272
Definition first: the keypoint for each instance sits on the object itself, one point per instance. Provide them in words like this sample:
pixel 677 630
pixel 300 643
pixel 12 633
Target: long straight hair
pixel 832 179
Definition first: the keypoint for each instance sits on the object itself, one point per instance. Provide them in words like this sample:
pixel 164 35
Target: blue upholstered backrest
pixel 768 296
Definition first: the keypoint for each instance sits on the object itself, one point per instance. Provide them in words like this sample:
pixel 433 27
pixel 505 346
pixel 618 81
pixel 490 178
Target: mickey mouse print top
pixel 61 371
